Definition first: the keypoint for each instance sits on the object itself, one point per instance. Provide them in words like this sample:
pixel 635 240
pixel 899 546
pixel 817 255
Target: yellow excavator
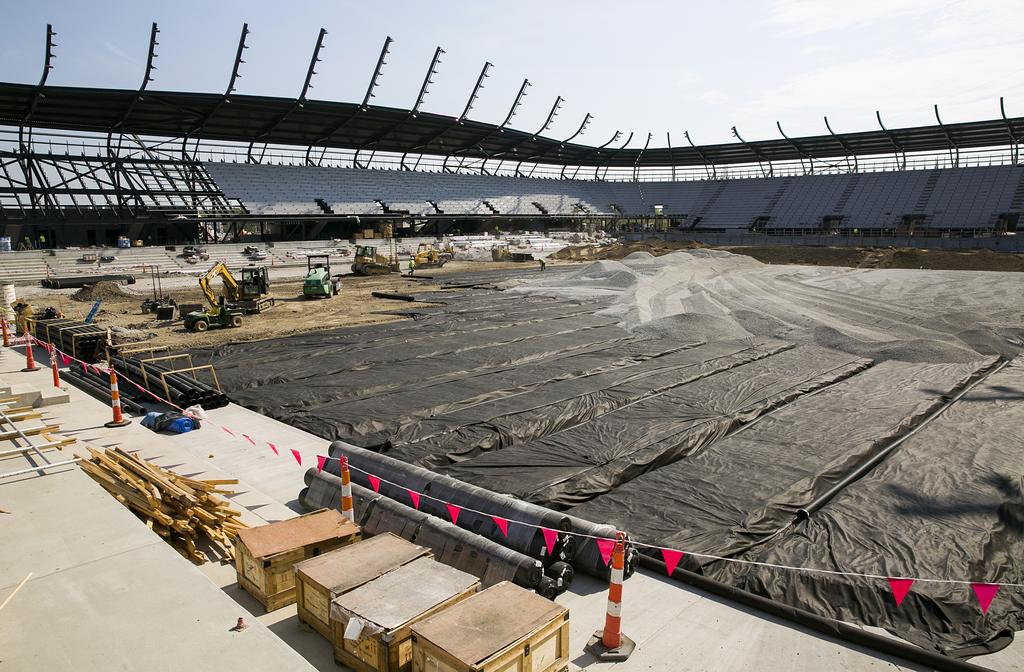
pixel 249 296
pixel 368 262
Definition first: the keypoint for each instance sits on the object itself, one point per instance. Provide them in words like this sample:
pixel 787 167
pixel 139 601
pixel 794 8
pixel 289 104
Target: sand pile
pixel 710 295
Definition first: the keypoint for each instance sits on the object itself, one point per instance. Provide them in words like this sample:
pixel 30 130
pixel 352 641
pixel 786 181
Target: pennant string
pixel 987 590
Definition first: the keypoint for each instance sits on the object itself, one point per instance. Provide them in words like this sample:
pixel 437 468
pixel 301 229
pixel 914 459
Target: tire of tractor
pixel 201 325
pixel 236 321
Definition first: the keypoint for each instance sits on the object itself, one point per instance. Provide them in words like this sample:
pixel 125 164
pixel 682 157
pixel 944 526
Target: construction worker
pixel 412 265
pixel 542 264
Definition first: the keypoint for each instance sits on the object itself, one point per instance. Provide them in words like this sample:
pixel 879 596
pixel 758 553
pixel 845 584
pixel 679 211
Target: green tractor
pixel 319 282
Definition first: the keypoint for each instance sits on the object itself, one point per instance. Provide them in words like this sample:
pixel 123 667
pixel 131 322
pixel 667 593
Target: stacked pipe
pixel 184 390
pixel 97 385
pixel 582 552
pixel 452 545
pixel 77 281
pixel 86 342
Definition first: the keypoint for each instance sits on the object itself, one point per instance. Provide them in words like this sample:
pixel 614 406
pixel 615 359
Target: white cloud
pixel 713 97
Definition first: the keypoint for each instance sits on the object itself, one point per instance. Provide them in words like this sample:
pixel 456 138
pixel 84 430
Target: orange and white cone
pixel 347 508
pixel 30 360
pixel 115 403
pixel 53 365
pixel 610 645
pixel 7 334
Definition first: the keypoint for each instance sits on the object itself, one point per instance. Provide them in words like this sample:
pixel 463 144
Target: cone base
pixel 31 368
pixel 596 648
pixel 123 423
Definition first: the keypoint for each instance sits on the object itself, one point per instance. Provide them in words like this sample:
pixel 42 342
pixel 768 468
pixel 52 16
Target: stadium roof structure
pixel 360 126
pixel 284 121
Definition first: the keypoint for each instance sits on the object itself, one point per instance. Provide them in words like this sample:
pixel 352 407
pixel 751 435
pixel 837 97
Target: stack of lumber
pixel 182 510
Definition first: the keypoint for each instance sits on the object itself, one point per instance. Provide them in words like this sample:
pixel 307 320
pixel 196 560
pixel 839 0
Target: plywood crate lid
pixel 348 567
pixel 398 597
pixel 478 627
pixel 285 535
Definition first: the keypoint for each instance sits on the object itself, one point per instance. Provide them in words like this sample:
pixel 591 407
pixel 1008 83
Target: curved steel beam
pixel 458 121
pixel 427 81
pixel 612 156
pixel 235 74
pixel 583 127
pixel 595 150
pixel 901 155
pixel 636 164
pixel 798 148
pixel 1014 151
pixel 846 148
pixel 671 154
pixel 337 128
pixel 760 157
pixel 307 84
pixel 483 138
pixel 954 151
pixel 713 172
pixel 516 145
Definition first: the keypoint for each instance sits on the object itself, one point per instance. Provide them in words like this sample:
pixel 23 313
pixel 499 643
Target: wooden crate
pixel 502 629
pixel 264 555
pixel 323 578
pixel 384 609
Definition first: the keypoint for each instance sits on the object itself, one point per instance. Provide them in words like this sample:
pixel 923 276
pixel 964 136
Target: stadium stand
pixel 942 199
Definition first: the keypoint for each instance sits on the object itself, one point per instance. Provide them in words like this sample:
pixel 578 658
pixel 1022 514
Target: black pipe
pixel 838 629
pixel 869 464
pixel 393 296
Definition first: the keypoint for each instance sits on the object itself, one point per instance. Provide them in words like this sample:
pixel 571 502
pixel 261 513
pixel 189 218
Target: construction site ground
pixel 100 576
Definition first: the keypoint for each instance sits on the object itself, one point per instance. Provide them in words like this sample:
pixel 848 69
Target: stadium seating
pixel 951 198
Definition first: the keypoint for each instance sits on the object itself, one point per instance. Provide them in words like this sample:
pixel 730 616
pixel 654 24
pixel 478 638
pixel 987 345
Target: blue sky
pixel 639 66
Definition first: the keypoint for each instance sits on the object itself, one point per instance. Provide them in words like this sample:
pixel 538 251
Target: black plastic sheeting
pixel 948 504
pixel 740 497
pixel 703 446
pixel 591 458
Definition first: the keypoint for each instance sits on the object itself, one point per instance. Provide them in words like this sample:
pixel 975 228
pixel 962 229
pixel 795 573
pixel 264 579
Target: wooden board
pixel 266 540
pixel 321 579
pixel 485 624
pixel 399 597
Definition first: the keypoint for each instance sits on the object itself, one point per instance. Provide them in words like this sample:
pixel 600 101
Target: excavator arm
pixel 230 284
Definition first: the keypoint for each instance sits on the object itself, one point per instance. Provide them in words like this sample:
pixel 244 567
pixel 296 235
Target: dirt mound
pixel 101 290
pixel 885 257
pixel 652 246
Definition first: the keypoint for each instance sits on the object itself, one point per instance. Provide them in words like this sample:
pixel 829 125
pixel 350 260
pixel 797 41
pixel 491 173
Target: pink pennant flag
pixel 550 537
pixel 320 459
pixel 85 368
pixel 273 448
pixel 606 546
pixel 249 439
pixel 900 588
pixel 228 431
pixel 297 456
pixel 453 511
pixel 415 497
pixel 985 593
pixel 672 558
pixel 64 358
pixel 501 523
pixel 374 482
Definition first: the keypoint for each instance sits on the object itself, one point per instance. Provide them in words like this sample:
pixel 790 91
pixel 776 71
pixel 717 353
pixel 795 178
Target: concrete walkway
pixel 676 627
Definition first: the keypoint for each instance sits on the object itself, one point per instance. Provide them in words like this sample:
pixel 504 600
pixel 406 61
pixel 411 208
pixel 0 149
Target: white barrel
pixel 9 296
pixel 5 243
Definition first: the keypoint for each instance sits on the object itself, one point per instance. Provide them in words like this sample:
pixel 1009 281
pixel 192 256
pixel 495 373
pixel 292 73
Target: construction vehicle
pixel 251 293
pixel 221 312
pixel 319 282
pixel 428 256
pixel 368 262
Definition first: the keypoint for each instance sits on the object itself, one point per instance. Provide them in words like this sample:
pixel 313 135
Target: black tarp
pixel 702 446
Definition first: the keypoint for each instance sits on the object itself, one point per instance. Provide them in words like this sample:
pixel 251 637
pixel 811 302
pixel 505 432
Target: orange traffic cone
pixel 115 402
pixel 30 360
pixel 610 645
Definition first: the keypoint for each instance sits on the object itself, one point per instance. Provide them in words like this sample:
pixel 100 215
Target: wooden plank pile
pixel 183 511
